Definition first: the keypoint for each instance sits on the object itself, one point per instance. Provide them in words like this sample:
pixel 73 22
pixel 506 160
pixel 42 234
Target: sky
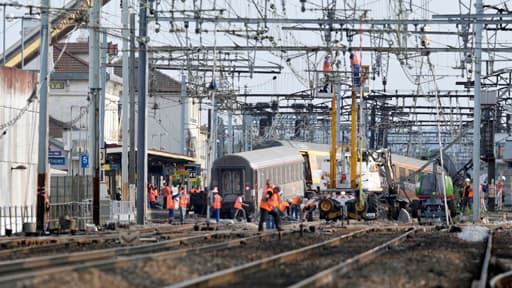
pixel 401 73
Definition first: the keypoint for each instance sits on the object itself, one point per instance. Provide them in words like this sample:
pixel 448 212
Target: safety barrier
pixel 13 217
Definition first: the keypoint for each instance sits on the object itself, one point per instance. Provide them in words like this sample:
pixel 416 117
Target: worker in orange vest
pixel 183 205
pixel 239 207
pixel 216 204
pixel 467 195
pixel 283 206
pixel 295 207
pixel 171 204
pixel 152 196
pixel 356 65
pixel 326 69
pixel 166 191
pixel 267 206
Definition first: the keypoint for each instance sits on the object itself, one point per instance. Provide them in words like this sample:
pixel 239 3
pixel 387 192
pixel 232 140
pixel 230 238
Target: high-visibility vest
pixel 183 201
pixel 171 203
pixel 216 201
pixel 354 59
pixel 296 200
pixel 327 67
pixel 470 192
pixel 283 205
pixel 276 199
pixel 266 204
pixel 151 196
pixel 238 202
pixel 167 191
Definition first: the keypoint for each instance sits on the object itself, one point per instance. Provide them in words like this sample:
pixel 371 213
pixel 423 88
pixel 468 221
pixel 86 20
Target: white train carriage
pixel 247 172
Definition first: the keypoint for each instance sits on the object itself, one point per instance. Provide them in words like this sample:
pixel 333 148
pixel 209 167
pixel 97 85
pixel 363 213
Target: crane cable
pixel 438 103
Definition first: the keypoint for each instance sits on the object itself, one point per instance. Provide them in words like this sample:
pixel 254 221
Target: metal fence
pixel 120 212
pixel 13 217
pixel 71 196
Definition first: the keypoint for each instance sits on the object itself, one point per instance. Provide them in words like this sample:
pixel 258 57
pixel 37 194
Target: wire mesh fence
pixel 13 217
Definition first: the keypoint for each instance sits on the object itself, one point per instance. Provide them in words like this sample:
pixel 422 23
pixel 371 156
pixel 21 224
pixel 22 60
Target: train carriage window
pixel 226 183
pixel 237 181
pixel 403 177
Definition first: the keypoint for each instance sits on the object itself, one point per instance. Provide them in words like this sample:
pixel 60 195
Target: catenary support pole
pixel 94 103
pixel 477 112
pixel 124 98
pixel 42 159
pixel 132 154
pixel 183 114
pixel 141 123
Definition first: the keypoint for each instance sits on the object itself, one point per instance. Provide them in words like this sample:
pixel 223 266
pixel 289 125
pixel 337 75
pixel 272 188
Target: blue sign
pixel 54 153
pixel 57 160
pixel 84 160
pixel 115 166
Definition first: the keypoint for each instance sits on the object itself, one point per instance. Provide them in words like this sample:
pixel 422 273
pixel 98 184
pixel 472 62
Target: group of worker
pixel 467 194
pixel 271 204
pixel 354 63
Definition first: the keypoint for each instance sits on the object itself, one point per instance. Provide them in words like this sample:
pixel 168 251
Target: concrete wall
pixel 64 105
pixel 19 144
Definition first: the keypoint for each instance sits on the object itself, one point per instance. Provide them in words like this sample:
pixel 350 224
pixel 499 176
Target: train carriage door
pixel 231 185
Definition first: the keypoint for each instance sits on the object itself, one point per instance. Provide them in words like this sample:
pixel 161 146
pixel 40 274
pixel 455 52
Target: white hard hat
pixel 467 180
pixel 503 177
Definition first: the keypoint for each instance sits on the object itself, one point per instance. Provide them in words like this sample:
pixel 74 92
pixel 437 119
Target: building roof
pixel 158 82
pixel 69 60
pixel 56 127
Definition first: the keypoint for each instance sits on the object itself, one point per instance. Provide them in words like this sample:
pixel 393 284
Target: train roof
pixel 412 163
pixel 298 145
pixel 307 146
pixel 261 158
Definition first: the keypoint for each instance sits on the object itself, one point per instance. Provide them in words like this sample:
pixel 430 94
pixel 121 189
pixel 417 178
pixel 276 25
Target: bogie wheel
pixel 325 205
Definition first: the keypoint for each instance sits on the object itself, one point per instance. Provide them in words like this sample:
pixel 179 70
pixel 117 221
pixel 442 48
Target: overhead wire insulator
pixel 303 6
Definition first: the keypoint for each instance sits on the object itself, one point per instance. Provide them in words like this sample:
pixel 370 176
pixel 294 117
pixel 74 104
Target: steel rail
pixel 482 283
pixel 70 240
pixel 84 240
pixel 42 262
pixel 28 274
pixel 328 275
pixel 224 277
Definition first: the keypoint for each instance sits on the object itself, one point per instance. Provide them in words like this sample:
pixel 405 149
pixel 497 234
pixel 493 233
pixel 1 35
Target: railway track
pixel 91 242
pixel 400 257
pixel 129 271
pixel 286 268
pixel 19 242
pixel 33 265
pixel 425 259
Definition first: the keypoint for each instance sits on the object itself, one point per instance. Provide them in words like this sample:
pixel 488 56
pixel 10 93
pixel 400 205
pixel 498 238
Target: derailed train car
pixel 247 172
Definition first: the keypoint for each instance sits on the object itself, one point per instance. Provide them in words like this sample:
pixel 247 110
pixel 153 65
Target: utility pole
pixel 103 151
pixel 42 157
pixel 476 122
pixel 132 154
pixel 94 99
pixel 353 141
pixel 183 113
pixel 141 127
pixel 124 98
pixel 334 123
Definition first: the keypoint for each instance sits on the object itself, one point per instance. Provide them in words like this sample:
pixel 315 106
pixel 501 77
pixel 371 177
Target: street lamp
pixel 11 18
